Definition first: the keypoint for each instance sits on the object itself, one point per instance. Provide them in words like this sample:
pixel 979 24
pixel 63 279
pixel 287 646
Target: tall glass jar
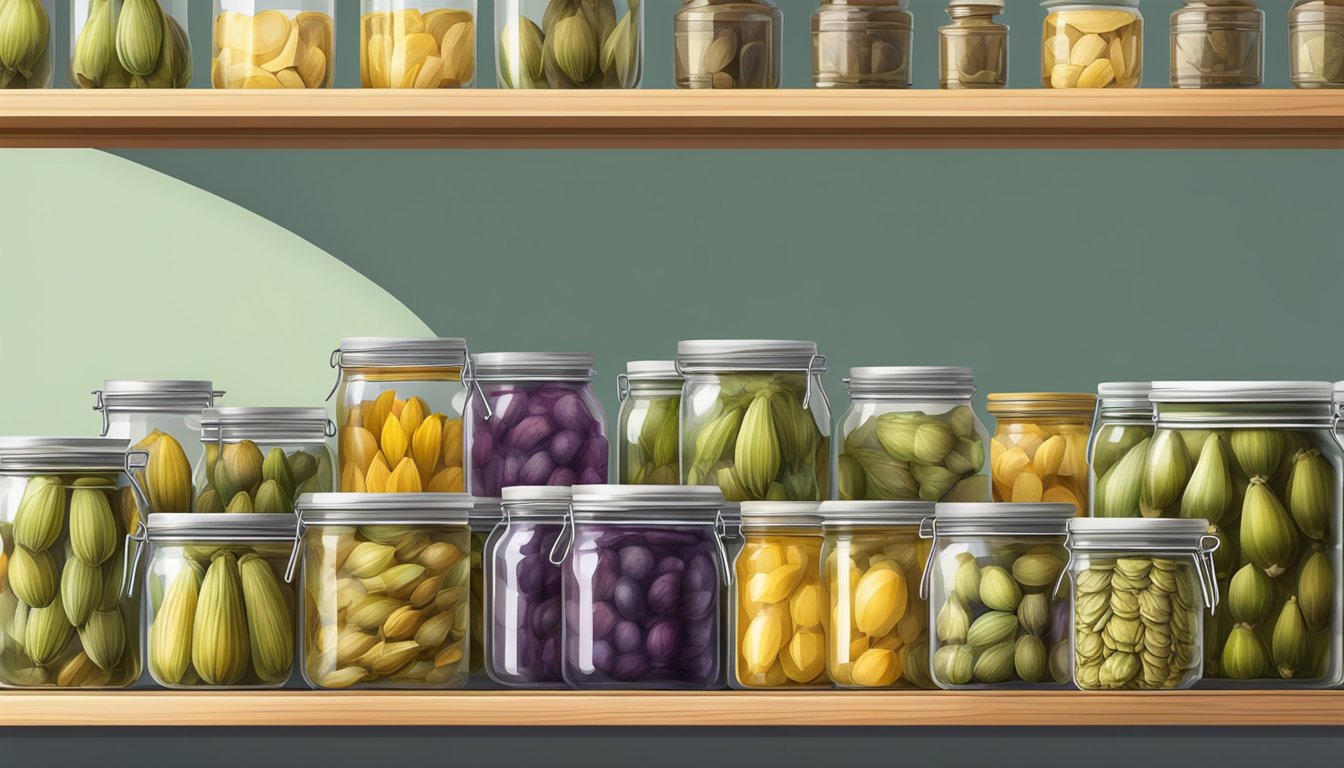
pixel 386 585
pixel 27 26
pixel 1262 462
pixel 1122 432
pixel 570 44
pixel 485 517
pixel 1039 450
pixel 874 561
pixel 1217 44
pixel 1316 44
pixel 399 406
pixel 909 434
pixel 728 44
pixel 64 622
pixel 272 44
pixel 755 420
pixel 129 44
pixel 537 423
pixel 1140 589
pixel 646 445
pixel 227 566
pixel 417 43
pixel 999 618
pixel 262 459
pixel 644 574
pixel 862 44
pixel 973 49
pixel 1092 45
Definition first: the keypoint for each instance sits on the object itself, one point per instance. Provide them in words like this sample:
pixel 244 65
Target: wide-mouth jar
pixel 262 459
pixel 1217 44
pixel 647 428
pixel 728 44
pixel 274 44
pixel 129 44
pixel 564 44
pixel 973 49
pixel 417 43
pixel 862 44
pixel 1039 449
pixel 1092 45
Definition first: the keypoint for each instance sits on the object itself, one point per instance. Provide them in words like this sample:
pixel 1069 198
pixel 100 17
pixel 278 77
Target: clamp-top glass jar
pixel 646 440
pixel 272 44
pixel 484 518
pixel 1092 45
pixel 262 459
pixel 910 434
pixel 755 420
pixel 568 44
pixel 399 406
pixel 973 49
pixel 1039 450
pixel 26 61
pixel 417 43
pixel 1123 422
pixel 1316 44
pixel 129 44
pixel 862 44
pixel 728 44
pixel 1217 44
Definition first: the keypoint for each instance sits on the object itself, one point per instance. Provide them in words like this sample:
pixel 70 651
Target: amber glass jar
pixel 1217 44
pixel 728 44
pixel 973 49
pixel 861 44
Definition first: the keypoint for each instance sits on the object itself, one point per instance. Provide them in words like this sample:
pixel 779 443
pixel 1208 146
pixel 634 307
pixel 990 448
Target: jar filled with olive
pixel 1217 44
pixel 1316 43
pixel 647 429
pixel 1092 45
pixel 862 44
pixel 129 44
pixel 570 43
pixel 973 49
pixel 728 44
pixel 417 43
pixel 1039 450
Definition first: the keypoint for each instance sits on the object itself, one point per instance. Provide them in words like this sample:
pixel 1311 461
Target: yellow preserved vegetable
pixel 1092 45
pixel 1039 452
pixel 781 610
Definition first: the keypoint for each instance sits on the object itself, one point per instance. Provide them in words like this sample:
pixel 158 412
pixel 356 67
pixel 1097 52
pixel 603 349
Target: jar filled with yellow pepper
pixel 1039 452
pixel 1092 45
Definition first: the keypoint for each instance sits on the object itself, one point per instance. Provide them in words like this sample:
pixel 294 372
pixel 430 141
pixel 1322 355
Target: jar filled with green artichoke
pixel 1217 44
pixel 1316 43
pixel 262 459
pixel 26 43
pixel 973 49
pixel 1124 420
pixel 728 44
pixel 570 43
pixel 861 44
pixel 647 432
pixel 129 44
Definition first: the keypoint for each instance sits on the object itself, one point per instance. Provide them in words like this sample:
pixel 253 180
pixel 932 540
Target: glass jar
pixel 644 572
pixel 390 57
pixel 999 617
pixel 1261 462
pixel 1092 45
pixel 973 49
pixel 537 423
pixel 484 518
pixel 728 44
pixel 861 44
pixel 736 395
pixel 262 459
pixel 27 27
pixel 1039 451
pixel 646 448
pixel 874 561
pixel 106 54
pixel 1123 427
pixel 386 582
pixel 274 44
pixel 1217 44
pixel 598 45
pixel 399 405
pixel 1140 589
pixel 909 434
pixel 1316 44
pixel 64 622
pixel 228 566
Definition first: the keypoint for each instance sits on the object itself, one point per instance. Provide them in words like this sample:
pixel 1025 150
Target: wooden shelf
pixel 1152 118
pixel 300 708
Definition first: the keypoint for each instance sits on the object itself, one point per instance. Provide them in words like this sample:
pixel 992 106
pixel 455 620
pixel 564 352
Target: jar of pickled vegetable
pixel 27 27
pixel 233 564
pixel 570 44
pixel 274 44
pixel 399 405
pixel 1217 44
pixel 728 44
pixel 129 44
pixel 910 434
pixel 755 420
pixel 874 559
pixel 646 446
pixel 862 44
pixel 1092 45
pixel 1039 451
pixel 1124 420
pixel 485 516
pixel 417 43
pixel 973 49
pixel 64 622
pixel 262 459
pixel 1316 43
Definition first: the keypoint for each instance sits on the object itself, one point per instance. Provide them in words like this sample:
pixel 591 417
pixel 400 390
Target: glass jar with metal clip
pixel 647 428
pixel 262 459
pixel 1123 426
pixel 484 519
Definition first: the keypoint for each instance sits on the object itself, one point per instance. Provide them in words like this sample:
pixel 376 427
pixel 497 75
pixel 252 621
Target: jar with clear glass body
pixel 1139 592
pixel 1217 44
pixel 1316 44
pixel 1092 45
pixel 874 561
pixel 644 577
pixel 1039 450
pixel 484 518
pixel 64 621
pixel 862 44
pixel 1123 427
pixel 1261 462
pixel 999 618
pixel 728 44
pixel 973 49
pixel 274 44
pixel 129 44
pixel 755 420
pixel 387 589
pixel 537 422
pixel 28 27
pixel 228 566
pixel 262 459
pixel 399 406
pixel 911 434
pixel 646 445
pixel 417 43
pixel 570 44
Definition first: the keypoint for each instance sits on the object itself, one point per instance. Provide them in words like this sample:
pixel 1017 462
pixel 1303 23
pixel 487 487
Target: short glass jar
pixel 910 433
pixel 1092 45
pixel 484 519
pixel 536 423
pixel 129 44
pixel 1217 44
pixel 1123 427
pixel 272 44
pixel 399 406
pixel 755 420
pixel 973 49
pixel 26 62
pixel 228 567
pixel 646 444
pixel 417 43
pixel 387 584
pixel 862 44
pixel 874 561
pixel 992 582
pixel 567 44
pixel 1140 589
pixel 262 459
pixel 1316 44
pixel 644 576
pixel 1039 450
pixel 728 44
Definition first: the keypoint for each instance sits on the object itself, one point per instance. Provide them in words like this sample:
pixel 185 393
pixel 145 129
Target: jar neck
pixel 665 388
pixel 1301 416
pixel 974 13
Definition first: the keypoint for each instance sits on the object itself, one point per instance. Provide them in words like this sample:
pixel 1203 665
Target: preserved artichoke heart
pixel 578 44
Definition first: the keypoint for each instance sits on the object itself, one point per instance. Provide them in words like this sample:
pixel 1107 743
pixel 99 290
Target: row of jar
pixel 567 44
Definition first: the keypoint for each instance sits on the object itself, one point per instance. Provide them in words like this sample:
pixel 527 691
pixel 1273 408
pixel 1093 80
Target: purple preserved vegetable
pixel 629 599
pixel 593 477
pixel 564 476
pixel 530 576
pixel 604 619
pixel 565 446
pixel 637 562
pixel 482 448
pixel 594 455
pixel 604 579
pixel 570 412
pixel 603 657
pixel 531 432
pixel 537 470
pixel 550 657
pixel 510 407
pixel 628 638
pixel 513 466
pixel 700 575
pixel 665 594
pixel 698 666
pixel 630 667
pixel 696 605
pixel 560 420
pixel 670 565
pixel 525 607
pixel 699 634
pixel 663 642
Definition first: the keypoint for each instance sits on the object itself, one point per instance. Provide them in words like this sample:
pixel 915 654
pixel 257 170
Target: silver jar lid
pixel 1002 518
pixel 1140 534
pixel 709 355
pixel 265 425
pixel 533 366
pixel 972 3
pixel 610 503
pixel 1125 399
pixel 875 513
pixel 1241 392
pixel 162 395
pixel 536 502
pixel 652 370
pixel 1093 5
pixel 319 509
pixel 779 514
pixel 485 513
pixel 913 382
pixel 62 454
pixel 163 526
pixel 389 352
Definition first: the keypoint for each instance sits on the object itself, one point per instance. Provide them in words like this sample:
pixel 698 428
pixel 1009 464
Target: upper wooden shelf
pixel 1151 118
